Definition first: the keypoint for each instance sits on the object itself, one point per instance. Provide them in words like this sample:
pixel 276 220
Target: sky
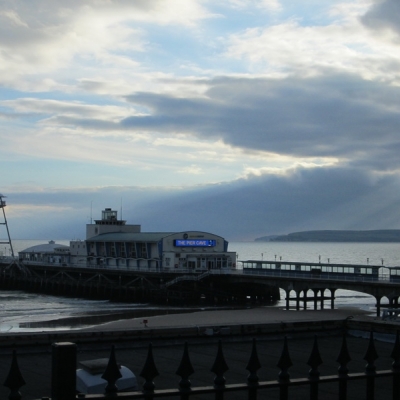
pixel 244 118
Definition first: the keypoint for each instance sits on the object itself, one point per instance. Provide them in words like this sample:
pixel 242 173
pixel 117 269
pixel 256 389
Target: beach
pixel 217 318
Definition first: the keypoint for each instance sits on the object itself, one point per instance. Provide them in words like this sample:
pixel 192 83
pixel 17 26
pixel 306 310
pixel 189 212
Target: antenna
pixel 121 208
pixel 2 206
pixel 91 219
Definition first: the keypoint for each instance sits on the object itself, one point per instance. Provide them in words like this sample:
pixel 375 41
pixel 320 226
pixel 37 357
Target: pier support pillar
pixel 333 298
pixel 322 298
pixel 391 302
pixel 315 298
pixel 378 306
pixel 287 299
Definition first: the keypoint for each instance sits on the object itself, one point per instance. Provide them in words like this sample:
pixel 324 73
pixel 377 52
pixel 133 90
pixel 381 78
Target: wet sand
pixel 218 318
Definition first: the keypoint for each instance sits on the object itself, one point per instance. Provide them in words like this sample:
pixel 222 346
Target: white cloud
pixel 308 50
pixel 72 109
pixel 38 39
pixel 269 5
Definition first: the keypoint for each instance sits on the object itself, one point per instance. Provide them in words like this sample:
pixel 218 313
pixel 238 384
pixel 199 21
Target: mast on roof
pixel 2 206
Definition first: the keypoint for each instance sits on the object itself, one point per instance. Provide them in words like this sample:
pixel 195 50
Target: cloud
pixel 292 47
pixel 383 15
pixel 331 118
pixel 322 198
pixel 37 39
pixel 335 115
pixel 269 5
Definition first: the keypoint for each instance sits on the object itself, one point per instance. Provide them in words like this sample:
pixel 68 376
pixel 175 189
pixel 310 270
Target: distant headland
pixel 382 235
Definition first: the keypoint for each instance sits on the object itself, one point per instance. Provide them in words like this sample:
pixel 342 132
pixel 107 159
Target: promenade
pixel 35 359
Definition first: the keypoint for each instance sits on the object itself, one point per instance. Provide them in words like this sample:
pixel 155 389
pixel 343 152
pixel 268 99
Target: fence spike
pixel 285 362
pixel 371 355
pixel 253 365
pixel 14 380
pixel 185 369
pixel 149 371
pixel 112 373
pixel 343 358
pixel 219 367
pixel 315 360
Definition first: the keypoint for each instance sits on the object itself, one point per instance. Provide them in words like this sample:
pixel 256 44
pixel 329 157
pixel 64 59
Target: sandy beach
pixel 217 318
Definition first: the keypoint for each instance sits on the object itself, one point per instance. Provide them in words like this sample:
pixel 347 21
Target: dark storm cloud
pixel 332 115
pixel 384 14
pixel 307 199
pixel 320 198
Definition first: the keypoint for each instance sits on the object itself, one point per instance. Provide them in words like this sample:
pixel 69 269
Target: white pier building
pixel 111 243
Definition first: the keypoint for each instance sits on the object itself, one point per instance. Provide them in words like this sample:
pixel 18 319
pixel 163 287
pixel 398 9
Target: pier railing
pixel 64 359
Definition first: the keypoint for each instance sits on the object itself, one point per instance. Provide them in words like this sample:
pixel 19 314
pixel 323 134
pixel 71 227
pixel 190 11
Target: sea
pixel 28 312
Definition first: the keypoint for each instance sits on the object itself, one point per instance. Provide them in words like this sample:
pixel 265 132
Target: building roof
pixel 138 236
pixel 50 247
pixel 130 237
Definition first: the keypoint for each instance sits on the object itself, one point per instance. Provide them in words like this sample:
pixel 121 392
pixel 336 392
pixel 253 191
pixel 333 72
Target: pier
pixel 217 286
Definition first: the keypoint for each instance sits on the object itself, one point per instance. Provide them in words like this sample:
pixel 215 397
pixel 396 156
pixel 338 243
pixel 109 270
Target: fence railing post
pixel 343 359
pixel 112 373
pixel 63 371
pixel 253 366
pixel 184 370
pixel 284 364
pixel 219 368
pixel 14 379
pixel 149 372
pixel 370 369
pixel 314 362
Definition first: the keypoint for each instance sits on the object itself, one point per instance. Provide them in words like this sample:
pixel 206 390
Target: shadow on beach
pixel 88 319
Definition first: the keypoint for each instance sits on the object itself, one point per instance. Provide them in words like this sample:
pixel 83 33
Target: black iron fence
pixel 64 361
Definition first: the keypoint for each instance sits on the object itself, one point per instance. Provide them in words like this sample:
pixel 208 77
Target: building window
pixel 122 251
pixel 144 250
pixel 132 250
pixel 102 249
pixel 112 250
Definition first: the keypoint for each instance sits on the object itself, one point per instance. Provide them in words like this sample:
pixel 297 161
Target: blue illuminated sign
pixel 194 243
